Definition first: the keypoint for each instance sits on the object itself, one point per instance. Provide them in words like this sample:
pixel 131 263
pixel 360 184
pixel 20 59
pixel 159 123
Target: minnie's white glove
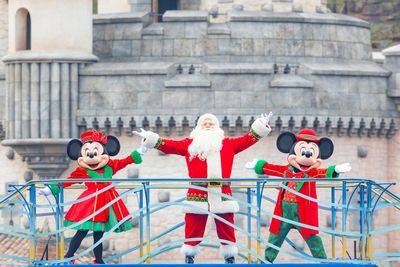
pixel 265 118
pixel 251 164
pixel 45 191
pixel 341 168
pixel 142 149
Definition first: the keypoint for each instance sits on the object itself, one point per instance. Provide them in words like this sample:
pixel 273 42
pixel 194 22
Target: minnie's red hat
pixel 94 136
pixel 307 135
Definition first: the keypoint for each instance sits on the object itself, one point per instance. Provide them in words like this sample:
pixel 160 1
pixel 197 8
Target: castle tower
pixel 48 42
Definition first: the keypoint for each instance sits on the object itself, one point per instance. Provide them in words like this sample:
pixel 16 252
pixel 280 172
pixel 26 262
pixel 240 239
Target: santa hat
pixel 207 116
pixel 94 136
pixel 307 134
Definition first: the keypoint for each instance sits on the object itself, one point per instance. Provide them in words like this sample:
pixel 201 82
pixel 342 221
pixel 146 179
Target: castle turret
pixel 48 42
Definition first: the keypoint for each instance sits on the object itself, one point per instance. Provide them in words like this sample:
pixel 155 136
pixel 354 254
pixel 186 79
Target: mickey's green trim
pixel 158 143
pixel 331 171
pixel 55 189
pixel 259 166
pixel 137 159
pixel 255 134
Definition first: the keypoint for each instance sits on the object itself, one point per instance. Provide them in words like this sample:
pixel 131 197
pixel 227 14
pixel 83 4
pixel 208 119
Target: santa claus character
pixel 209 155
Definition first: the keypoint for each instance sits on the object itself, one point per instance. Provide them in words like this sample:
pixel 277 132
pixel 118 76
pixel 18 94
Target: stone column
pixel 44 100
pixel 42 103
pixel 35 97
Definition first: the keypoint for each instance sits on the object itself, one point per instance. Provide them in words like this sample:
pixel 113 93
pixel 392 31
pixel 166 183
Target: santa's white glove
pixel 265 118
pixel 150 138
pixel 251 164
pixel 142 133
pixel 142 149
pixel 341 168
pixel 45 191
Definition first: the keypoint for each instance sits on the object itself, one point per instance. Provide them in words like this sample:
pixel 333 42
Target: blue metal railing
pixel 372 197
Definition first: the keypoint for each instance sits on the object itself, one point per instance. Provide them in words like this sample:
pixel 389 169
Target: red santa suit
pixel 217 165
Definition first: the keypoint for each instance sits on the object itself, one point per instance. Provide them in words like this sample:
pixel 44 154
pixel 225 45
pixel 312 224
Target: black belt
pixel 211 184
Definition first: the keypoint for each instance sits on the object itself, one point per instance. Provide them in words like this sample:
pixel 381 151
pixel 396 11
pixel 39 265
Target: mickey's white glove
pixel 45 191
pixel 251 164
pixel 265 118
pixel 142 149
pixel 341 168
pixel 150 138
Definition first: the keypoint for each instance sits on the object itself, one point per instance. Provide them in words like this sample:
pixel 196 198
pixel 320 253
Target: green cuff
pixel 259 166
pixel 137 159
pixel 158 143
pixel 255 134
pixel 331 171
pixel 55 189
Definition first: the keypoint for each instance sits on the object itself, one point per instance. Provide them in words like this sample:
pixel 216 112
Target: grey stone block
pixel 195 29
pixel 174 30
pixel 121 48
pixel 225 99
pixel 252 99
pixel 148 100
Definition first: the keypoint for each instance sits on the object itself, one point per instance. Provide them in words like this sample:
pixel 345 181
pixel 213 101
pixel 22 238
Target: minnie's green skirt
pixel 102 226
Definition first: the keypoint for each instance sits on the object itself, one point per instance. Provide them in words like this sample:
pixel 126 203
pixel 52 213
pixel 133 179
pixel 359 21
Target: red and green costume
pixel 294 207
pixel 109 217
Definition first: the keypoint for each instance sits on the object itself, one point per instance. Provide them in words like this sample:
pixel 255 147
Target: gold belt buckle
pixel 214 184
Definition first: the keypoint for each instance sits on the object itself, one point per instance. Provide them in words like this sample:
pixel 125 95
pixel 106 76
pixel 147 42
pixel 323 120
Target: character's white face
pixel 207 124
pixel 93 156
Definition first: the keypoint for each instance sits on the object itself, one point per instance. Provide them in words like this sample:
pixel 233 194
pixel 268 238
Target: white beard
pixel 205 142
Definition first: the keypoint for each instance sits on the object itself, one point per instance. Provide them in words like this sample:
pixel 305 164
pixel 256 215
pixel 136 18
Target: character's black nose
pixel 308 154
pixel 91 155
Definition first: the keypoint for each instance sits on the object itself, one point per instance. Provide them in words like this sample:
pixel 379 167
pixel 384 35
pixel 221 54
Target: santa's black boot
pixel 189 259
pixel 230 260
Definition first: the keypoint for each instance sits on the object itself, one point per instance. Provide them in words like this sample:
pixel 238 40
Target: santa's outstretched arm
pixel 259 129
pixel 153 140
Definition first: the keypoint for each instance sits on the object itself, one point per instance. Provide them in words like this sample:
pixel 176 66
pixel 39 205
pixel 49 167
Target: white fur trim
pixel 228 206
pixel 195 207
pixel 187 250
pixel 228 251
pixel 260 128
pixel 209 116
pixel 151 139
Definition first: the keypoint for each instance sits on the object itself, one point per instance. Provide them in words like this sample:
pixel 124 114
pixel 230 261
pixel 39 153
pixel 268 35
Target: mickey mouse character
pixel 92 154
pixel 306 152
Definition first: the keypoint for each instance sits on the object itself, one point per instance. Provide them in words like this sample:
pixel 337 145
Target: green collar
pixel 108 172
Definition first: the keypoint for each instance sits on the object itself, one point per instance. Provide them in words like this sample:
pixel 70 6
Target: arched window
pixel 23 30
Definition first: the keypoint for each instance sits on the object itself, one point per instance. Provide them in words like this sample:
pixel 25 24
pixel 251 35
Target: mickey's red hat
pixel 307 134
pixel 94 136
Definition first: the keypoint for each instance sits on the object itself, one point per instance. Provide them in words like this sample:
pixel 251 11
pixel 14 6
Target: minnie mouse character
pixel 306 152
pixel 92 154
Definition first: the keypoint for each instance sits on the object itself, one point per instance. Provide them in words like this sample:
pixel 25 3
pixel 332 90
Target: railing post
pixel 344 215
pixel 362 221
pixel 147 198
pixel 259 198
pixel 333 221
pixel 369 221
pixel 141 223
pixel 32 223
pixel 60 223
pixel 249 224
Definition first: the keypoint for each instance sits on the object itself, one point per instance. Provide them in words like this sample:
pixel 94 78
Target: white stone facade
pixel 3 31
pixel 49 29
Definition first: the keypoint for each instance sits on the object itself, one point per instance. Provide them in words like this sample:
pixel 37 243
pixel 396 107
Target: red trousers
pixel 196 225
